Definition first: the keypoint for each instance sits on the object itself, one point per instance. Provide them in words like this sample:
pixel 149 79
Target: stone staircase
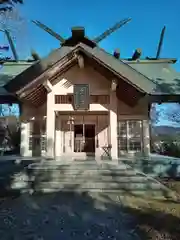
pixel 51 176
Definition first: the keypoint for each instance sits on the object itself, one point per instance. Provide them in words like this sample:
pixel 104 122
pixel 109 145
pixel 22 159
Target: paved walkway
pixel 60 215
pixel 65 216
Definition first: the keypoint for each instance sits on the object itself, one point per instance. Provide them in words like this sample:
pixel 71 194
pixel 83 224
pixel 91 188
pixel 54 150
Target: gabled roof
pixel 36 69
pixel 10 70
pixel 116 66
pixel 134 77
pixel 163 74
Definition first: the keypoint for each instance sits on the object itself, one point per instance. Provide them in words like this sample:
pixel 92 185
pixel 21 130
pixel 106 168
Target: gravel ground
pixel 65 216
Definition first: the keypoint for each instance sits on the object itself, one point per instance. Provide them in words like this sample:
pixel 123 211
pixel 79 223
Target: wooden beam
pixel 48 86
pixel 29 92
pixel 57 113
pixel 114 84
pixel 80 61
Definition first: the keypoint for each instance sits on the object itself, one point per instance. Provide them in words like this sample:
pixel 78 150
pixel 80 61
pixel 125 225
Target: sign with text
pixel 81 97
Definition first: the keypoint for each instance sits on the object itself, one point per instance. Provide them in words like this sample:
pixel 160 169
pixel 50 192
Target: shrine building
pixel 83 101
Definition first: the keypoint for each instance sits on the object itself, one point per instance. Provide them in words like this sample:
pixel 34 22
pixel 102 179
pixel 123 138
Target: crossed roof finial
pixel 96 40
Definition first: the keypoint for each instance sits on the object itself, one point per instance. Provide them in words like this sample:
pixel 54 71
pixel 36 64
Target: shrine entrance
pixel 84 138
pixel 82 134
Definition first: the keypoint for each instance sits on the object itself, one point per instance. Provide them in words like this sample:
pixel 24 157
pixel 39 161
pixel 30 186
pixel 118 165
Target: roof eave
pixel 150 60
pixel 164 98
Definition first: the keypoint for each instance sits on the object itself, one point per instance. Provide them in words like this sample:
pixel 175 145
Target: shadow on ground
pixel 83 216
pixel 9 171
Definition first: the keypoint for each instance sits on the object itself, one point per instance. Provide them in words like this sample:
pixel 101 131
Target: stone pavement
pixel 65 216
pixel 75 214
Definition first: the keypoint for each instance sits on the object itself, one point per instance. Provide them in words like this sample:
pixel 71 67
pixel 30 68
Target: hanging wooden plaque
pixel 81 97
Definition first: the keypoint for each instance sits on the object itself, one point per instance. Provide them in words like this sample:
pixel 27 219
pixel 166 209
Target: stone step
pixel 153 193
pixel 94 178
pixel 122 182
pixel 72 171
pixel 84 189
pixel 89 176
pixel 57 165
pixel 98 185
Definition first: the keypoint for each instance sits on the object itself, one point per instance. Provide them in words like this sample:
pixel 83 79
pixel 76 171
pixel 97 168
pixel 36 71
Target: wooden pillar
pixel 58 141
pixel 146 137
pixel 50 125
pixel 24 132
pixel 24 144
pixel 113 125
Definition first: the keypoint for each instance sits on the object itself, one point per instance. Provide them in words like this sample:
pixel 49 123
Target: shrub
pixel 170 148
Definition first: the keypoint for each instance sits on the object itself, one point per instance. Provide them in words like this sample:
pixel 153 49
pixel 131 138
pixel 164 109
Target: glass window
pixel 134 145
pixel 122 144
pixel 43 143
pixel 30 143
pixel 130 135
pixel 43 135
pixel 30 135
pixel 135 135
pixel 122 135
pixel 122 128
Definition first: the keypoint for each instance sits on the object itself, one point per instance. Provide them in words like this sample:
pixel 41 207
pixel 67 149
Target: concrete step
pixel 98 185
pixel 79 167
pixel 93 178
pixel 82 176
pixel 151 189
pixel 119 192
pixel 88 174
pixel 152 193
pixel 82 165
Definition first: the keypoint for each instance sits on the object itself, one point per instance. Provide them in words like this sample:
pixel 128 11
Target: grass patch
pixel 155 218
pixel 172 184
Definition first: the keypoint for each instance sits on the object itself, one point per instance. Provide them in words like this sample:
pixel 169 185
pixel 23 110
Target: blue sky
pixel 163 118
pixel 148 18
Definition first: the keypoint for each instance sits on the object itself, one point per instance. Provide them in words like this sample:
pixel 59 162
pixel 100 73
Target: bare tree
pixel 12 21
pixel 9 126
pixel 155 114
pixel 173 113
pixel 8 5
pixel 170 113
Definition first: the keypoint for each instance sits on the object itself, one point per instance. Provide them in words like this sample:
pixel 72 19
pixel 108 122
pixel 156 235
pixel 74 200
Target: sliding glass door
pixel 130 136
